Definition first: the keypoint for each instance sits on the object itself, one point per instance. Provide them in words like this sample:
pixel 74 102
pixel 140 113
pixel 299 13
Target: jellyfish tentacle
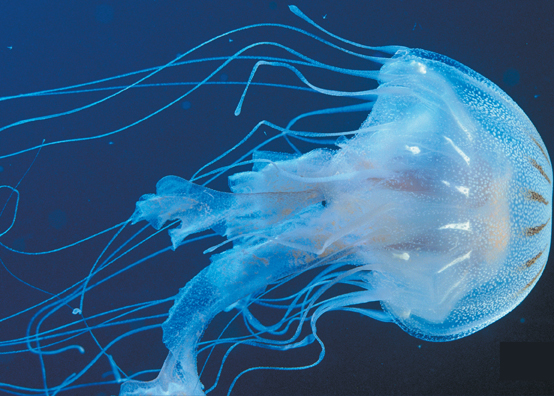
pixel 366 74
pixel 228 279
pixel 16 192
pixel 160 68
pixel 390 49
pixel 233 274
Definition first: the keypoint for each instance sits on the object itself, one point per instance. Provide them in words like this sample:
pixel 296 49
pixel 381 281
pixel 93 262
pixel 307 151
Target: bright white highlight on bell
pixel 421 67
pixel 456 261
pixel 413 149
pixel 458 150
pixel 457 226
pixel 463 190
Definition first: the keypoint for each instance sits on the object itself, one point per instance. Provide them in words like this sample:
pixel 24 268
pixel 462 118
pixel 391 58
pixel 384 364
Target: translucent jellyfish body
pixel 441 201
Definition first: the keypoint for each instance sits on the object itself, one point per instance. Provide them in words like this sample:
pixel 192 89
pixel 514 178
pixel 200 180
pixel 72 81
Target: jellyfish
pixel 433 214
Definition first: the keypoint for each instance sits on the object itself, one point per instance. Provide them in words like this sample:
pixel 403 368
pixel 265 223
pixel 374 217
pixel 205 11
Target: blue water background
pixel 75 190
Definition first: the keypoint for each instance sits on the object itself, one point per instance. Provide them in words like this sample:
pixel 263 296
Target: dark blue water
pixel 75 190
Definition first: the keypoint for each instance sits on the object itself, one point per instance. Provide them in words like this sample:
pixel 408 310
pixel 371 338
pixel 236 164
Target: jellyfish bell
pixel 438 207
pixel 472 235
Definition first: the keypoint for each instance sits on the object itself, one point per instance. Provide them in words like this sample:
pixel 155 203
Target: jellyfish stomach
pixel 232 276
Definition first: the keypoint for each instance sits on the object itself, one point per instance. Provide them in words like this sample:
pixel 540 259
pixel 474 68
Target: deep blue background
pixel 73 191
